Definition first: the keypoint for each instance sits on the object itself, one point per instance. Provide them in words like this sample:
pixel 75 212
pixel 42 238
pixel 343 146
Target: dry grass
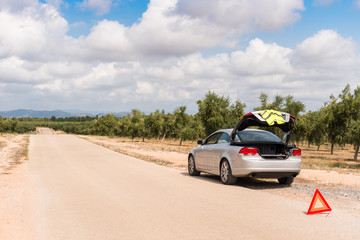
pixel 2 144
pixel 14 150
pixel 133 154
pixel 21 152
pixel 171 145
pixel 343 157
pixel 166 153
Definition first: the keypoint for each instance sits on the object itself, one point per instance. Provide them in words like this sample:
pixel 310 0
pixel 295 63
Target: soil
pixel 17 192
pixel 13 151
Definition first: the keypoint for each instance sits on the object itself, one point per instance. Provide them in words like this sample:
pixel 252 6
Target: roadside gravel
pixel 13 150
pixel 17 192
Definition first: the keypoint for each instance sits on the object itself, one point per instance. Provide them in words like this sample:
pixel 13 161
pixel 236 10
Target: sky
pixel 118 55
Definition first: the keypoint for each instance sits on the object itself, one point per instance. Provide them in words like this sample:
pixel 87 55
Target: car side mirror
pixel 199 142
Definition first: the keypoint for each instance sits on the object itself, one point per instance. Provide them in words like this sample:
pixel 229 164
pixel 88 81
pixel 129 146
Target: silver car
pixel 244 152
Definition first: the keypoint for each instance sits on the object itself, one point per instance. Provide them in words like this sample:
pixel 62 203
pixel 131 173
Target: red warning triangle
pixel 325 206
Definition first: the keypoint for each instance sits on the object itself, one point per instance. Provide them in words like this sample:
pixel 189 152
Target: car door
pixel 204 156
pixel 218 149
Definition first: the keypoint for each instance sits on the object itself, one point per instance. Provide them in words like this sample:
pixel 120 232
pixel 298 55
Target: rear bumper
pixel 267 173
pixel 259 167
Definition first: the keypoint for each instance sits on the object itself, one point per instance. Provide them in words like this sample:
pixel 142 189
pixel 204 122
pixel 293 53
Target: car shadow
pixel 251 183
pixel 258 183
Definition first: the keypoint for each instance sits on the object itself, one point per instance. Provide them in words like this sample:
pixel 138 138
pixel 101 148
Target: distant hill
pixel 33 113
pixel 116 114
pixel 18 113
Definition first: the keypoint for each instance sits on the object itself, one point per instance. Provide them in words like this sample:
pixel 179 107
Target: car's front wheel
pixel 286 180
pixel 192 167
pixel 226 173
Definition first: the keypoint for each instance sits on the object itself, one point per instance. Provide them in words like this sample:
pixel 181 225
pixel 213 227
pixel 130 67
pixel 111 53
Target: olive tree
pixel 214 112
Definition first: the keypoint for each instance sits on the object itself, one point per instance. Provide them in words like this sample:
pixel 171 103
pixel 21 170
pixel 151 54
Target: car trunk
pixel 269 150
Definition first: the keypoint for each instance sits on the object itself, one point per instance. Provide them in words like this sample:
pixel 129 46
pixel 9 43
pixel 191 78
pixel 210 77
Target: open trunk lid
pixel 266 118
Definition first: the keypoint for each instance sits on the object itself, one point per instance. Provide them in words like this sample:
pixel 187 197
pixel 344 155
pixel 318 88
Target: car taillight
pixel 247 114
pixel 248 151
pixel 297 152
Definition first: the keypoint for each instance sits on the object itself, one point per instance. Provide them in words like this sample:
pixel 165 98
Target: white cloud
pixel 183 26
pixel 162 31
pixel 13 70
pixel 100 7
pixel 201 68
pixel 31 33
pixel 157 63
pixel 144 88
pixel 53 86
pixel 55 3
pixel 357 3
pixel 108 40
pixel 261 58
pixel 243 15
pixel 103 76
pixel 16 5
pixel 326 49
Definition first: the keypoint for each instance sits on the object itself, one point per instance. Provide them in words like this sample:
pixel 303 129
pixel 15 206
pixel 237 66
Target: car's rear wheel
pixel 286 180
pixel 192 167
pixel 226 173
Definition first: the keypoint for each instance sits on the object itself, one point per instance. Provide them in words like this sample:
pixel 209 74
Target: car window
pixel 224 138
pixel 214 139
pixel 257 136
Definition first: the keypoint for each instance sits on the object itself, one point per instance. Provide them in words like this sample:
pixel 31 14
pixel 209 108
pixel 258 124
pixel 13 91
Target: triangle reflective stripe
pixel 325 206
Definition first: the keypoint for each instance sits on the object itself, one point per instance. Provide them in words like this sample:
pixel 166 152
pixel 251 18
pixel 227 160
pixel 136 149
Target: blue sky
pixel 341 16
pixel 126 12
pixel 116 55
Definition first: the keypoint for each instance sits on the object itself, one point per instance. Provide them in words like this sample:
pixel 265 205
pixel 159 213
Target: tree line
pixel 337 122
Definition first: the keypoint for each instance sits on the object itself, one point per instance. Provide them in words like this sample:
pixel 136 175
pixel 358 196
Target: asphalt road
pixel 90 192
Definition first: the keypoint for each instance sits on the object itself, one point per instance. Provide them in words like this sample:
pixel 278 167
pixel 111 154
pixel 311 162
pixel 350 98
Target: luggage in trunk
pixel 269 150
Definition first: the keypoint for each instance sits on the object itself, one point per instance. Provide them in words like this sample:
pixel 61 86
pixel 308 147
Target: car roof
pixel 228 131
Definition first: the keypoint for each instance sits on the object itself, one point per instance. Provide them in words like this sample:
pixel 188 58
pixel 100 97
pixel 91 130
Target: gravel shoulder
pixel 17 192
pixel 13 151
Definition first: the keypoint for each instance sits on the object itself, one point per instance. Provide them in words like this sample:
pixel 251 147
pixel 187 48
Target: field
pixel 342 159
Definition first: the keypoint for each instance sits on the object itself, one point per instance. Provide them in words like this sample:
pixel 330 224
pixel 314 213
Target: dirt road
pixel 90 192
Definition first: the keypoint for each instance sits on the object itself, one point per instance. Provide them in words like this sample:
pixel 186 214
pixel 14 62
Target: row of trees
pixel 13 125
pixel 337 122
